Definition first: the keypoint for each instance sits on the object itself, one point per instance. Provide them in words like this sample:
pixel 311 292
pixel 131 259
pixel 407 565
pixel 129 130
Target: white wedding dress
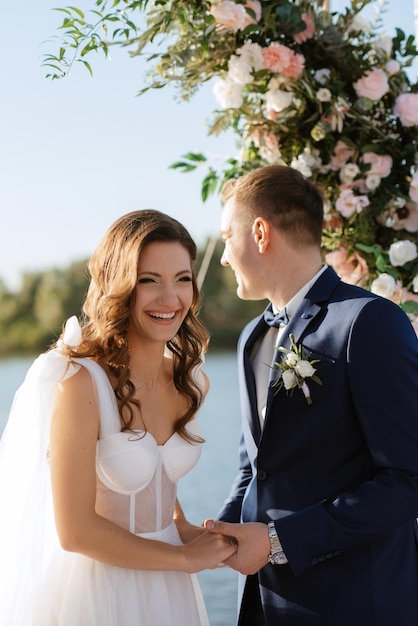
pixel 40 583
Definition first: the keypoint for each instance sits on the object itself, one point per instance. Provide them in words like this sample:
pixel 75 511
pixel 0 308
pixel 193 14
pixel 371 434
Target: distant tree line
pixel 31 317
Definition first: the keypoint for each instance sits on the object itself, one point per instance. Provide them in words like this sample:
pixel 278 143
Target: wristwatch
pixel 277 555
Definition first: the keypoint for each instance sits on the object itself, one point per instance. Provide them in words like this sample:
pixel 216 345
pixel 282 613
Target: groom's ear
pixel 261 231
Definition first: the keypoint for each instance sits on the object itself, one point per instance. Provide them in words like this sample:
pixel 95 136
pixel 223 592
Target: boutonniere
pixel 296 368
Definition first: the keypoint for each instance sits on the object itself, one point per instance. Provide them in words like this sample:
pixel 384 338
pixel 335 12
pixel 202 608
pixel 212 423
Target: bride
pixel 99 434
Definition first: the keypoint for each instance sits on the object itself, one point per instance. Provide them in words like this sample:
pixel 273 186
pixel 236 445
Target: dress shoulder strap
pixel 105 397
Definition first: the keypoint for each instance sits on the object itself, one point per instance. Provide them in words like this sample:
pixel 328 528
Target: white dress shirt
pixel 263 351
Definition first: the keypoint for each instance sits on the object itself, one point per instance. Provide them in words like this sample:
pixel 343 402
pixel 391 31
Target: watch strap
pixel 277 555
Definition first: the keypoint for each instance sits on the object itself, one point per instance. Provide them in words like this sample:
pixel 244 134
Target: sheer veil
pixel 27 531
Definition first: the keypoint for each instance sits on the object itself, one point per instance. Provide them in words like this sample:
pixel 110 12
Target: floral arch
pixel 327 93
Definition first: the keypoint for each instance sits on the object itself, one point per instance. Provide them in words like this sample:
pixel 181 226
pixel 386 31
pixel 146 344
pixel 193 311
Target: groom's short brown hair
pixel 284 197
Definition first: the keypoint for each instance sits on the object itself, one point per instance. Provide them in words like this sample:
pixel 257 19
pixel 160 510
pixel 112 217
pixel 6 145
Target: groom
pixel 326 497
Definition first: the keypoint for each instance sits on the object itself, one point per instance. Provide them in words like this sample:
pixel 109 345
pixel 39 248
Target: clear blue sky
pixel 75 154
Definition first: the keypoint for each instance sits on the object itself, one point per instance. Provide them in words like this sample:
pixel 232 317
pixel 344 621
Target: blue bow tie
pixel 275 319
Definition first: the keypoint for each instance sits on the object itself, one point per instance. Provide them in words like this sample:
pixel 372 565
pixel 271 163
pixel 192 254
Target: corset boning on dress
pixel 136 477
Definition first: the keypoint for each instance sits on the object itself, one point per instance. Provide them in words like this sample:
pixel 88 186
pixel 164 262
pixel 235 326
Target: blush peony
pixel 308 33
pixel 380 164
pixel 373 85
pixel 229 15
pixel 351 269
pixel 255 7
pixel 282 60
pixel 406 108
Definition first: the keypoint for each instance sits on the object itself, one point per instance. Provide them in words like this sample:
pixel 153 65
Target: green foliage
pixel 32 317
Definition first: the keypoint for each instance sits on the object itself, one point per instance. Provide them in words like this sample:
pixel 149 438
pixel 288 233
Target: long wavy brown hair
pixel 108 304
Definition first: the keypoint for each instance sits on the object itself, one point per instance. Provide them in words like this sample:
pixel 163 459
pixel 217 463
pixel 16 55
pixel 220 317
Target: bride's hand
pixel 187 531
pixel 208 551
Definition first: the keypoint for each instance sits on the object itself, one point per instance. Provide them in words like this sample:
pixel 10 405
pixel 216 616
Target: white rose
pixel 401 252
pixel 372 181
pixel 252 54
pixel 301 166
pixel 270 154
pixel 239 71
pixel 289 379
pixel 322 76
pixel 415 284
pixel 305 369
pixel 227 94
pixel 291 358
pixel 384 285
pixel 349 172
pixel 384 42
pixel 278 100
pixel 323 95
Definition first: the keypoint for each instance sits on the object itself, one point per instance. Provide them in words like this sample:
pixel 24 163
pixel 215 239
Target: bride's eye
pixel 143 281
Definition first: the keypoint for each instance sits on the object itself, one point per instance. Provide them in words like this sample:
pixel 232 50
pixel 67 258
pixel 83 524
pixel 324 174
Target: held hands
pixel 207 551
pixel 253 544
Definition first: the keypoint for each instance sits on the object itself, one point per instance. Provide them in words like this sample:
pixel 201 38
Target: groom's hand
pixel 253 544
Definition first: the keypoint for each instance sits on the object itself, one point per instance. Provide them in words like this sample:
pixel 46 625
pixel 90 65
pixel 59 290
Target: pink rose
pixel 373 85
pixel 381 165
pixel 255 7
pixel 352 270
pixel 406 218
pixel 393 67
pixel 336 257
pixel 401 218
pixel 261 137
pixel 282 60
pixel 306 34
pixel 406 108
pixel 229 15
pixel 342 153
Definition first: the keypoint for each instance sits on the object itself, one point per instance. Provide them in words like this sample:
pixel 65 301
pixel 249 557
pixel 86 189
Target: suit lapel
pixel 310 307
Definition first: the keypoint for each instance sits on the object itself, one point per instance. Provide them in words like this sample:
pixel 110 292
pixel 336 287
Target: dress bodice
pixel 136 477
pixel 127 462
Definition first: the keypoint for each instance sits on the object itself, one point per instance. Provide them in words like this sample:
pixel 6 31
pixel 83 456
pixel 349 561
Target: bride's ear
pixel 261 232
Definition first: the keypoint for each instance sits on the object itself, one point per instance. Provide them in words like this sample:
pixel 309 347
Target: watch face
pixel 278 558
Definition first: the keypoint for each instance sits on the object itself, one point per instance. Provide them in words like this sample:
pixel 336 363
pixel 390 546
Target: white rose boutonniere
pixel 296 368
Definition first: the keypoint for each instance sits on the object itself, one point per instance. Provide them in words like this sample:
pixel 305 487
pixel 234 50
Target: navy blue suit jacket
pixel 340 476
